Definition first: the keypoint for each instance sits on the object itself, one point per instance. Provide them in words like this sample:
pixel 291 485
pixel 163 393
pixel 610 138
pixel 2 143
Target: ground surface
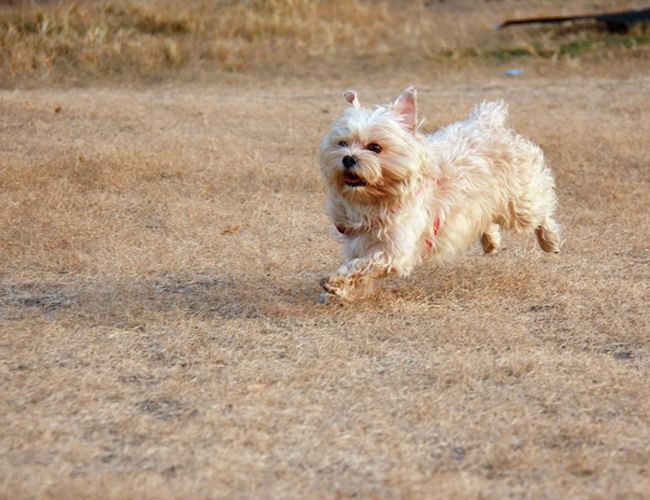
pixel 159 333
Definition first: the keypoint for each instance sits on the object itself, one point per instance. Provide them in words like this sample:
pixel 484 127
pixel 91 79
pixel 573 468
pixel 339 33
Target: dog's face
pixel 373 155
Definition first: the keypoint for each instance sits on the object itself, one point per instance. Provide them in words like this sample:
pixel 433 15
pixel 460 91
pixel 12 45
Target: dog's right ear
pixel 406 106
pixel 351 97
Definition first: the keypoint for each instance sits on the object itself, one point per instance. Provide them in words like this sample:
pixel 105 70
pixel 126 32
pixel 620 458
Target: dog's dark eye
pixel 374 147
pixel 343 144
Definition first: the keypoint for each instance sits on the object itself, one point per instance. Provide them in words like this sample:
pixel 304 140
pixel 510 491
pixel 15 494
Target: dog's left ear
pixel 406 107
pixel 351 97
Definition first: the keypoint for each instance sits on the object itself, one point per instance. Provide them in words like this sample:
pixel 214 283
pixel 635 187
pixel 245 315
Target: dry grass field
pixel 160 250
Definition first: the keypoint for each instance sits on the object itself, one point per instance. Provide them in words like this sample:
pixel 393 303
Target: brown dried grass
pixel 160 336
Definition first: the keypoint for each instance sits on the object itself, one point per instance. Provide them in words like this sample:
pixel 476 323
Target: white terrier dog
pixel 397 195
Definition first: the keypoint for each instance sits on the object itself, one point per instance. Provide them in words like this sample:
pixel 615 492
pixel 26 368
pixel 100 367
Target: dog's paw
pixel 336 285
pixel 331 284
pixel 345 288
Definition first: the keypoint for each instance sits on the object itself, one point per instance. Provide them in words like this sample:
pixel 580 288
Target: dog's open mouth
pixel 353 180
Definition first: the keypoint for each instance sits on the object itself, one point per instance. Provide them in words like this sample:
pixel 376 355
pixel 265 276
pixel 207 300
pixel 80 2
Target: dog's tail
pixel 491 114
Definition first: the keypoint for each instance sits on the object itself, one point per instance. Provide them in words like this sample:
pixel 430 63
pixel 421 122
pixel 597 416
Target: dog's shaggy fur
pixel 397 195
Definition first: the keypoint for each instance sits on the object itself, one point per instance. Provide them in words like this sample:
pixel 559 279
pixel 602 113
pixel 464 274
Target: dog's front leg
pixel 354 280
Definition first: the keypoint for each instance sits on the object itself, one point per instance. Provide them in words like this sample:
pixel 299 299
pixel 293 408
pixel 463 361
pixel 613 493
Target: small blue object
pixel 514 72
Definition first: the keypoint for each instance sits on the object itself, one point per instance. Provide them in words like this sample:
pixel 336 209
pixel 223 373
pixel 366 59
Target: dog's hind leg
pixel 542 210
pixel 548 235
pixel 491 239
pixel 533 207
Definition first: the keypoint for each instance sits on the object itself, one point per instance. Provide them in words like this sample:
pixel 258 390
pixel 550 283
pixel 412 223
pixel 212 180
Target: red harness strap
pixel 428 242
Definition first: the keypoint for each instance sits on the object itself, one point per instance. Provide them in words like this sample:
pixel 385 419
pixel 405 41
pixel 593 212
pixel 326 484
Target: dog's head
pixel 373 155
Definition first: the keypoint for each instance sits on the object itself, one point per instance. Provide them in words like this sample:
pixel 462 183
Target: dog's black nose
pixel 349 161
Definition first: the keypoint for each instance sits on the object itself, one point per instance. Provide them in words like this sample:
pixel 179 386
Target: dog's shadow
pixel 126 301
pixel 272 297
pixel 235 297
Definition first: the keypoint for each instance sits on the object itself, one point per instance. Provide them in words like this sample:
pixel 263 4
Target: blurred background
pixel 77 42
